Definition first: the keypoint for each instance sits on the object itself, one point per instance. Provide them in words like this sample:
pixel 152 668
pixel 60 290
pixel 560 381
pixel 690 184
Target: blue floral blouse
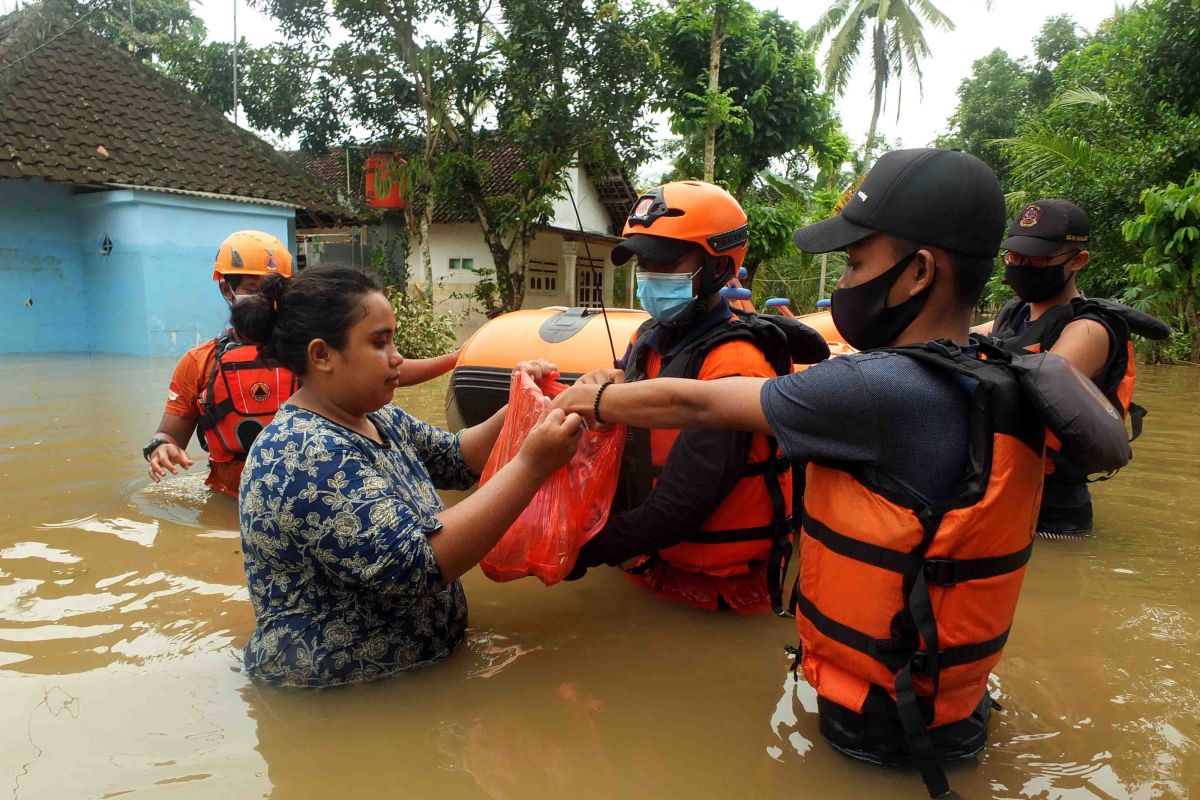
pixel 335 539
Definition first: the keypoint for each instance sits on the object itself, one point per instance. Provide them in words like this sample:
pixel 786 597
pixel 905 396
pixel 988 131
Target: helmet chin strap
pixel 720 268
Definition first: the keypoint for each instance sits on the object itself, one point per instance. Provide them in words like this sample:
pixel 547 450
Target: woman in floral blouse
pixel 351 558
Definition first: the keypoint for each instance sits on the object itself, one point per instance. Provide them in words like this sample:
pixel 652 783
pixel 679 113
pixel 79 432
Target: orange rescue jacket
pixel 904 608
pixel 241 399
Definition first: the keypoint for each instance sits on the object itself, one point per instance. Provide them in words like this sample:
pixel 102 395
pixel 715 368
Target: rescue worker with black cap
pixel 924 466
pixel 223 388
pixel 1046 249
pixel 710 510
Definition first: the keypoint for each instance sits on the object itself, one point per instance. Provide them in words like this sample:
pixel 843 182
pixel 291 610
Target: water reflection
pixel 122 611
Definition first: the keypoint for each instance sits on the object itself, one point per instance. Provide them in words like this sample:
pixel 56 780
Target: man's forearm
pixel 666 403
pixel 660 403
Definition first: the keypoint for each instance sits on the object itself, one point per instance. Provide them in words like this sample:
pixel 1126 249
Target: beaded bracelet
pixel 596 404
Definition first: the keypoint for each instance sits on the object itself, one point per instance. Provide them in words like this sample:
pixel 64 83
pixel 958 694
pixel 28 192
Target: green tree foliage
pixel 891 31
pixel 1168 276
pixel 541 84
pixel 281 89
pixel 146 28
pixel 1122 117
pixel 768 104
pixel 992 103
pixel 1002 93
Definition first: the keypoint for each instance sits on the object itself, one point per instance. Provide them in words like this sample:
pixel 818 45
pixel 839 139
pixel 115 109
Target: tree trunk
pixel 714 86
pixel 426 247
pixel 881 73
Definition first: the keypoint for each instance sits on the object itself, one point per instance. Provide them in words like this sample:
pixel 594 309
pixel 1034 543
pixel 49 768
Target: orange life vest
pixel 902 607
pixel 241 399
pixel 743 548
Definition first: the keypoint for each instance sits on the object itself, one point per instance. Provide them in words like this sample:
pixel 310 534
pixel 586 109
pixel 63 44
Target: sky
pixel 1010 24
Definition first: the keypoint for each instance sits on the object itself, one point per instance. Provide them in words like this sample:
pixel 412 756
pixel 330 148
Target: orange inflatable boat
pixel 574 339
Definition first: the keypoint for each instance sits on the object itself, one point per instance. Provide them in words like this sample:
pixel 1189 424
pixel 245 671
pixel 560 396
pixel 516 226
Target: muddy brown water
pixel 123 610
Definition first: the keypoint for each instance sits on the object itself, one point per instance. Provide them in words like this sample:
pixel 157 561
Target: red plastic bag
pixel 570 508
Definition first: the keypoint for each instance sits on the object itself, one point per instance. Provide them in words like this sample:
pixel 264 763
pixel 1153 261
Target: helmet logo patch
pixel 1031 216
pixel 235 258
pixel 260 392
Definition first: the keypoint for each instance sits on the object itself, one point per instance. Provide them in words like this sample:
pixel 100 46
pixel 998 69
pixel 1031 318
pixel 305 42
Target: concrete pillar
pixel 570 251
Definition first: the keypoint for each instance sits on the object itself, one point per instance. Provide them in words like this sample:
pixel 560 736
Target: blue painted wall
pixel 152 295
pixel 42 294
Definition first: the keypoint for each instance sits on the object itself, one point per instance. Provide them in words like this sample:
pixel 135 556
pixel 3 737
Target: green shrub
pixel 420 331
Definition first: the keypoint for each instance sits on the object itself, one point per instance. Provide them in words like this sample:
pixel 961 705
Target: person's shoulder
pixel 737 357
pixel 303 440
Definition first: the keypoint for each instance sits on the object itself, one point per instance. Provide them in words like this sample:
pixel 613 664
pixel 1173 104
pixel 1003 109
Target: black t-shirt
pixel 904 423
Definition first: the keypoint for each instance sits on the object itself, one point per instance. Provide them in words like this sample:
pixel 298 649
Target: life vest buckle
pixel 941 572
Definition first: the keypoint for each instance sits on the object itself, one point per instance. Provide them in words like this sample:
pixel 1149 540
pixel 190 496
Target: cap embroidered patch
pixel 1031 216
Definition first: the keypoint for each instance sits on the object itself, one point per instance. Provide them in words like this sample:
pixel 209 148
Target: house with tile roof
pixel 116 187
pixel 569 261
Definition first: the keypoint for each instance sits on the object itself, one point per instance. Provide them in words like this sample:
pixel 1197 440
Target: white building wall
pixel 591 210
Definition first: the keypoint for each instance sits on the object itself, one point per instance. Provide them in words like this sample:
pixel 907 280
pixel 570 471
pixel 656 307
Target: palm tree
pixel 897 39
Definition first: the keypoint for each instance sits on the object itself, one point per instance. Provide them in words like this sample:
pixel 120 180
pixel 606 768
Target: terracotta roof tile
pixel 64 92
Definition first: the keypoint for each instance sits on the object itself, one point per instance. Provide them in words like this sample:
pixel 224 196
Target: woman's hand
pixel 537 369
pixel 603 376
pixel 165 458
pixel 552 442
pixel 580 399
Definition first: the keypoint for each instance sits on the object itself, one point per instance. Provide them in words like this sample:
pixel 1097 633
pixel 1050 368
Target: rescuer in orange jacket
pixel 223 388
pixel 925 465
pixel 710 509
pixel 242 261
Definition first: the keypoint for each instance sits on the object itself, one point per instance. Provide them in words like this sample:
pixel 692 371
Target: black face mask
pixel 1035 284
pixel 862 315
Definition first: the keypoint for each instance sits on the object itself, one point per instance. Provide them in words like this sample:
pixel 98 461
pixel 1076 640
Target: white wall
pixel 591 210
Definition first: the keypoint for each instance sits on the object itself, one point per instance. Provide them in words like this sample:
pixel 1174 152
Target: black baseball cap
pixel 657 249
pixel 1043 226
pixel 945 198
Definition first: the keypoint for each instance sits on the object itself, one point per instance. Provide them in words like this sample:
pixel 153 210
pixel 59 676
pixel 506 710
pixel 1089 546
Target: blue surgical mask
pixel 665 296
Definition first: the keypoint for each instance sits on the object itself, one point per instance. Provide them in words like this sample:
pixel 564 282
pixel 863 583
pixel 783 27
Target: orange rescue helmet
pixel 685 211
pixel 252 253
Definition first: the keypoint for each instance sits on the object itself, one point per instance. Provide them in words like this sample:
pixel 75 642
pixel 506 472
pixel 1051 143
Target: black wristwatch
pixel 153 445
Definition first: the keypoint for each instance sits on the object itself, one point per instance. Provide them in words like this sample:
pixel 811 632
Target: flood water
pixel 123 611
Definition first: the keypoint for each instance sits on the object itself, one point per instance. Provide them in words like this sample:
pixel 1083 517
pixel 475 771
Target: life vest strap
pixel 960 654
pixel 893 655
pixel 735 535
pixel 916 735
pixel 1136 416
pixel 782 525
pixel 938 571
pixel 756 469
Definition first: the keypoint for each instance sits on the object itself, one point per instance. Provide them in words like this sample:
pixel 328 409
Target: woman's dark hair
pixel 288 313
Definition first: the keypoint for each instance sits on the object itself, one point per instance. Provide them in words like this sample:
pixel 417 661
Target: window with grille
pixel 541 277
pixel 589 283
